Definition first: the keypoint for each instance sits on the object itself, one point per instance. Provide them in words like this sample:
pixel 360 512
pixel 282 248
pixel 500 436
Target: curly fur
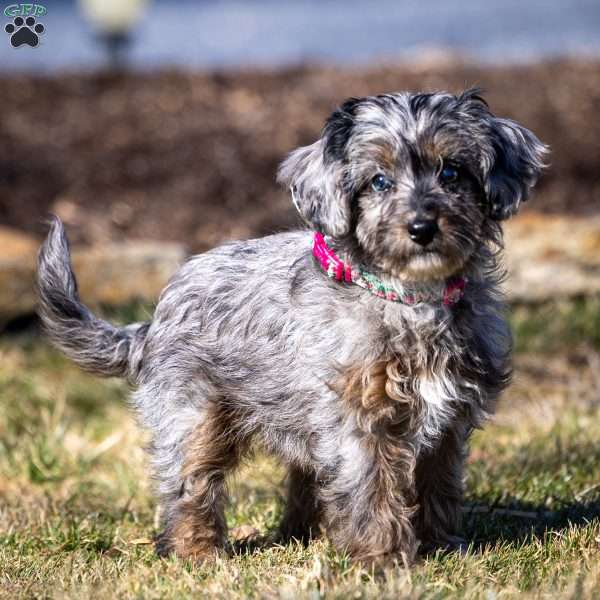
pixel 370 403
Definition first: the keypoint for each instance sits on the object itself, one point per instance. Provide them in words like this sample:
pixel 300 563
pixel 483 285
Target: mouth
pixel 424 251
pixel 426 258
pixel 417 263
pixel 432 249
pixel 428 264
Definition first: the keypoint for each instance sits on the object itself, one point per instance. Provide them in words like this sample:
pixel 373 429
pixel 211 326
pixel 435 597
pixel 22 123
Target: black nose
pixel 422 231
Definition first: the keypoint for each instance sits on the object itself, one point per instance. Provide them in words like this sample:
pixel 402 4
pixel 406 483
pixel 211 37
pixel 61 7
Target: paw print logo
pixel 24 31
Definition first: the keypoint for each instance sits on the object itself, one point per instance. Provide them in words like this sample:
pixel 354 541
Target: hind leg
pixel 194 520
pixel 302 512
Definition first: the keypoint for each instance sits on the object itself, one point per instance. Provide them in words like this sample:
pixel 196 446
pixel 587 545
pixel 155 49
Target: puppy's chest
pixel 438 397
pixel 416 387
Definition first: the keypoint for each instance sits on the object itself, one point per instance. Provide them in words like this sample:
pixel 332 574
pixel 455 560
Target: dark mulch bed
pixel 192 157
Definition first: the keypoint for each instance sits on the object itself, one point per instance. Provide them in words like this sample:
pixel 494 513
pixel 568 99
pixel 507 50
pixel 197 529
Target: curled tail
pixel 94 344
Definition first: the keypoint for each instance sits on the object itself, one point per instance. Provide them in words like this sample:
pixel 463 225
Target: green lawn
pixel 77 515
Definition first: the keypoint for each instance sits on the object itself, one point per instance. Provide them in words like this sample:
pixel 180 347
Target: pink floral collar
pixel 340 271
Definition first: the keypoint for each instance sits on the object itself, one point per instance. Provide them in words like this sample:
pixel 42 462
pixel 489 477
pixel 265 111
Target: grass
pixel 77 515
pixel 554 326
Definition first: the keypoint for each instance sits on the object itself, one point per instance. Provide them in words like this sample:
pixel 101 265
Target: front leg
pixel 369 505
pixel 440 489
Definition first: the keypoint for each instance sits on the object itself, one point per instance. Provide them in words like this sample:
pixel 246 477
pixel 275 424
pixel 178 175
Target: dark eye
pixel 449 174
pixel 380 183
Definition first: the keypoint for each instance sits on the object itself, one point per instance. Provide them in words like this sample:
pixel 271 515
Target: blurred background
pixel 213 34
pixel 154 128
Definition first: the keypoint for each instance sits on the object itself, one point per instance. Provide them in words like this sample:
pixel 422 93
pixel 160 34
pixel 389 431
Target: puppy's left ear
pixel 518 162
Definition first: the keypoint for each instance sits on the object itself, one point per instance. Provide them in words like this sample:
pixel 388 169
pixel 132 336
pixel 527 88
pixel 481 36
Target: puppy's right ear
pixel 316 175
pixel 317 189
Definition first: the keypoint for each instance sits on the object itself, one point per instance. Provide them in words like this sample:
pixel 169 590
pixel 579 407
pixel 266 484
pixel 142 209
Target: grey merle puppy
pixel 368 392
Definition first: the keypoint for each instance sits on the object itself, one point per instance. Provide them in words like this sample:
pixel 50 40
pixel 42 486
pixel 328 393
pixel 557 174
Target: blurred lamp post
pixel 114 21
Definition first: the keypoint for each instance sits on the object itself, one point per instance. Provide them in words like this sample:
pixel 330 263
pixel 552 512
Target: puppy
pixel 362 353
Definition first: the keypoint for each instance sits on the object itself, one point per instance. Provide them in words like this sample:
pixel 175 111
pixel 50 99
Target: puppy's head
pixel 414 181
